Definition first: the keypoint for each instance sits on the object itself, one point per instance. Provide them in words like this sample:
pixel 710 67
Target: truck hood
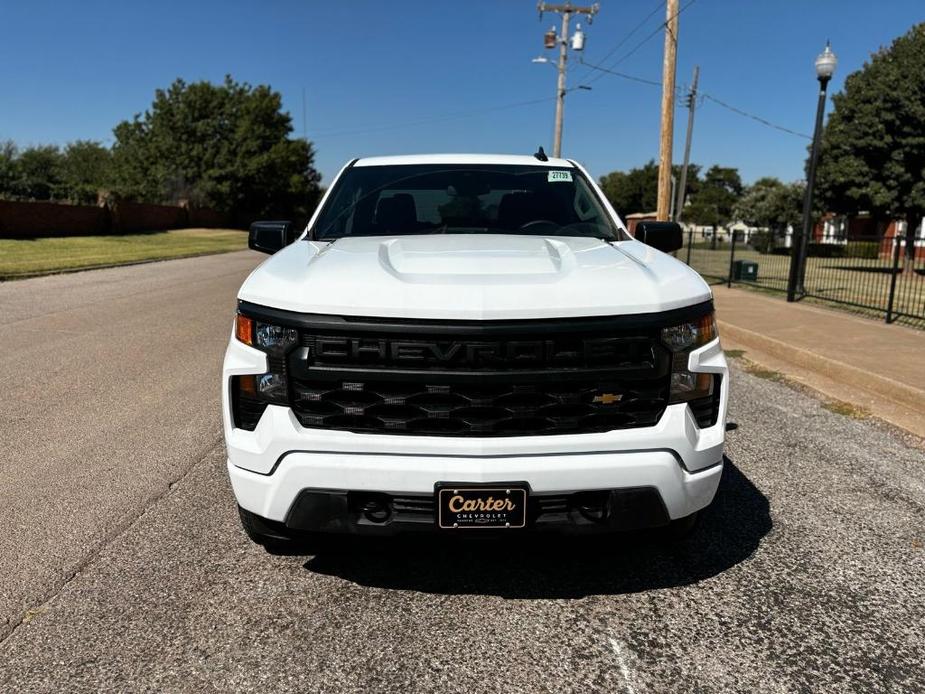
pixel 476 277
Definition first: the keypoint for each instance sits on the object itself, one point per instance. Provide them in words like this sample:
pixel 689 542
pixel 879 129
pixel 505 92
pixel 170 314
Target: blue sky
pixel 386 78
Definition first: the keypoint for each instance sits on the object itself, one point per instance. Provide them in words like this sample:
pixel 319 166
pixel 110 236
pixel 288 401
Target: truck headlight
pixel 691 335
pixel 253 392
pixel 275 340
pixel 272 388
pixel 682 339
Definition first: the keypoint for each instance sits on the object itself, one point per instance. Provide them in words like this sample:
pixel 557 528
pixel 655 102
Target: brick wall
pixel 887 243
pixel 205 217
pixel 37 219
pixel 19 219
pixel 632 220
pixel 130 217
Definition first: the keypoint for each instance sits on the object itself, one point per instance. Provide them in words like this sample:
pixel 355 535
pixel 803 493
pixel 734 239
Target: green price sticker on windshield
pixel 559 177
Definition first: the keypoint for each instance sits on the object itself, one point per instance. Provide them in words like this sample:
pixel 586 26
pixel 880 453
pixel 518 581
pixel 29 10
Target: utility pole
pixel 667 133
pixel 566 10
pixel 674 182
pixel 691 106
pixel 560 86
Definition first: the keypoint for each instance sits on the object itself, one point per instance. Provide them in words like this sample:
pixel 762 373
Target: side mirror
pixel 665 236
pixel 269 237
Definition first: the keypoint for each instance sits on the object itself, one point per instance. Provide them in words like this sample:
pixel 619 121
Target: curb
pixel 845 373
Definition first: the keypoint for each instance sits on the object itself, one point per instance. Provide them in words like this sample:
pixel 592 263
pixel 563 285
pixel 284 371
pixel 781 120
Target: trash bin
pixel 745 270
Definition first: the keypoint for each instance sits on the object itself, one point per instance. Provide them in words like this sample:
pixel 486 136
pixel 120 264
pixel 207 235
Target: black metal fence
pixel 872 275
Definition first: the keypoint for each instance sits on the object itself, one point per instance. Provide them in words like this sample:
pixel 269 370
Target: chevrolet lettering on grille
pixel 477 353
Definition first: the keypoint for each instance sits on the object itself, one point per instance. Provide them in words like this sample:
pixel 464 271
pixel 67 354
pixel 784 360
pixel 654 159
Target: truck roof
pixel 509 159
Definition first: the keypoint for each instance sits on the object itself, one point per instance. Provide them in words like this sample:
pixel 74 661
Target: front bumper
pixel 378 514
pixel 271 466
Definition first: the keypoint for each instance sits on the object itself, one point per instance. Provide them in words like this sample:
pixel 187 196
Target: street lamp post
pixel 825 68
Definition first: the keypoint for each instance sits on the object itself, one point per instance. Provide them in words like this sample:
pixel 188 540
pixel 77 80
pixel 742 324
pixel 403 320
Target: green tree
pixel 872 155
pixel 632 191
pixel 224 145
pixel 9 169
pixel 770 203
pixel 714 202
pixel 85 171
pixel 38 173
pixel 636 190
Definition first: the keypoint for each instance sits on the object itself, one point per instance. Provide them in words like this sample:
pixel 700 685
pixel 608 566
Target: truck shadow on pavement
pixel 729 532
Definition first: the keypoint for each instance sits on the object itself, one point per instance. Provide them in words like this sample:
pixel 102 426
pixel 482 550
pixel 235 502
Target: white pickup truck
pixel 470 344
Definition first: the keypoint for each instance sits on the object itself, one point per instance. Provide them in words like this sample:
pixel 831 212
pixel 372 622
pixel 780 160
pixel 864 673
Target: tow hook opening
pixel 375 508
pixel 592 506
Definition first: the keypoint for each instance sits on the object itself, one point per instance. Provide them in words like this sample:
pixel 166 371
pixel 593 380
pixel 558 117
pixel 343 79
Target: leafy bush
pixel 761 241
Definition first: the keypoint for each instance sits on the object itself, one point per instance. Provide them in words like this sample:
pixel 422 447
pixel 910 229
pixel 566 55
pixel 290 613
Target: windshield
pixel 463 199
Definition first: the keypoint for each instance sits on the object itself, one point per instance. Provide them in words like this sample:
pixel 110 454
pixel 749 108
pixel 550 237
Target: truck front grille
pixel 515 407
pixel 456 378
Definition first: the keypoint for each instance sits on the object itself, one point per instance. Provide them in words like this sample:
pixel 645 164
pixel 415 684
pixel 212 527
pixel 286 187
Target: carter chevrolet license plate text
pixel 481 507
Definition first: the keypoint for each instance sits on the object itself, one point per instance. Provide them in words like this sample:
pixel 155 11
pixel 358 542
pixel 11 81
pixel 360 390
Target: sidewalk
pixel 860 361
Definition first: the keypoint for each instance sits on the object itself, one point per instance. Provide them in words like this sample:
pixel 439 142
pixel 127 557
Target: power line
pixel 647 38
pixel 624 75
pixel 322 134
pixel 655 32
pixel 655 83
pixel 627 37
pixel 761 120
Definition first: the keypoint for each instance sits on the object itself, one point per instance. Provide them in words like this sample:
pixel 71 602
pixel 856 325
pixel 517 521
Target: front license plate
pixel 481 507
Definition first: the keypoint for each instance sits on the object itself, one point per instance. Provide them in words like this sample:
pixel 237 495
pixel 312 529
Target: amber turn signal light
pixel 244 329
pixel 248 385
pixel 707 328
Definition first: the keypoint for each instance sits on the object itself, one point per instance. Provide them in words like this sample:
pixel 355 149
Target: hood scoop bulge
pixel 476 256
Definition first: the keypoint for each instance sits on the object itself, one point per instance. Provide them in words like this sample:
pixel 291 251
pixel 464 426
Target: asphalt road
pixel 111 379
pixel 807 574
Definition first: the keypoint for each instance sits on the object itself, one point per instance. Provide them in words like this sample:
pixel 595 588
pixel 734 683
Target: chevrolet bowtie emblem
pixel 608 398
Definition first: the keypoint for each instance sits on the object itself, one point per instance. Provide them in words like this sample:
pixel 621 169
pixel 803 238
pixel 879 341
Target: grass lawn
pixel 31 257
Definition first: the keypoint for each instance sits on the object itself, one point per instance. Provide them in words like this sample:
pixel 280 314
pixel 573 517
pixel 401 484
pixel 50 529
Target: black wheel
pixel 276 539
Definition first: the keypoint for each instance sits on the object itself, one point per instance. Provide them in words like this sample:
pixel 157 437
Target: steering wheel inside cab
pixel 538 226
